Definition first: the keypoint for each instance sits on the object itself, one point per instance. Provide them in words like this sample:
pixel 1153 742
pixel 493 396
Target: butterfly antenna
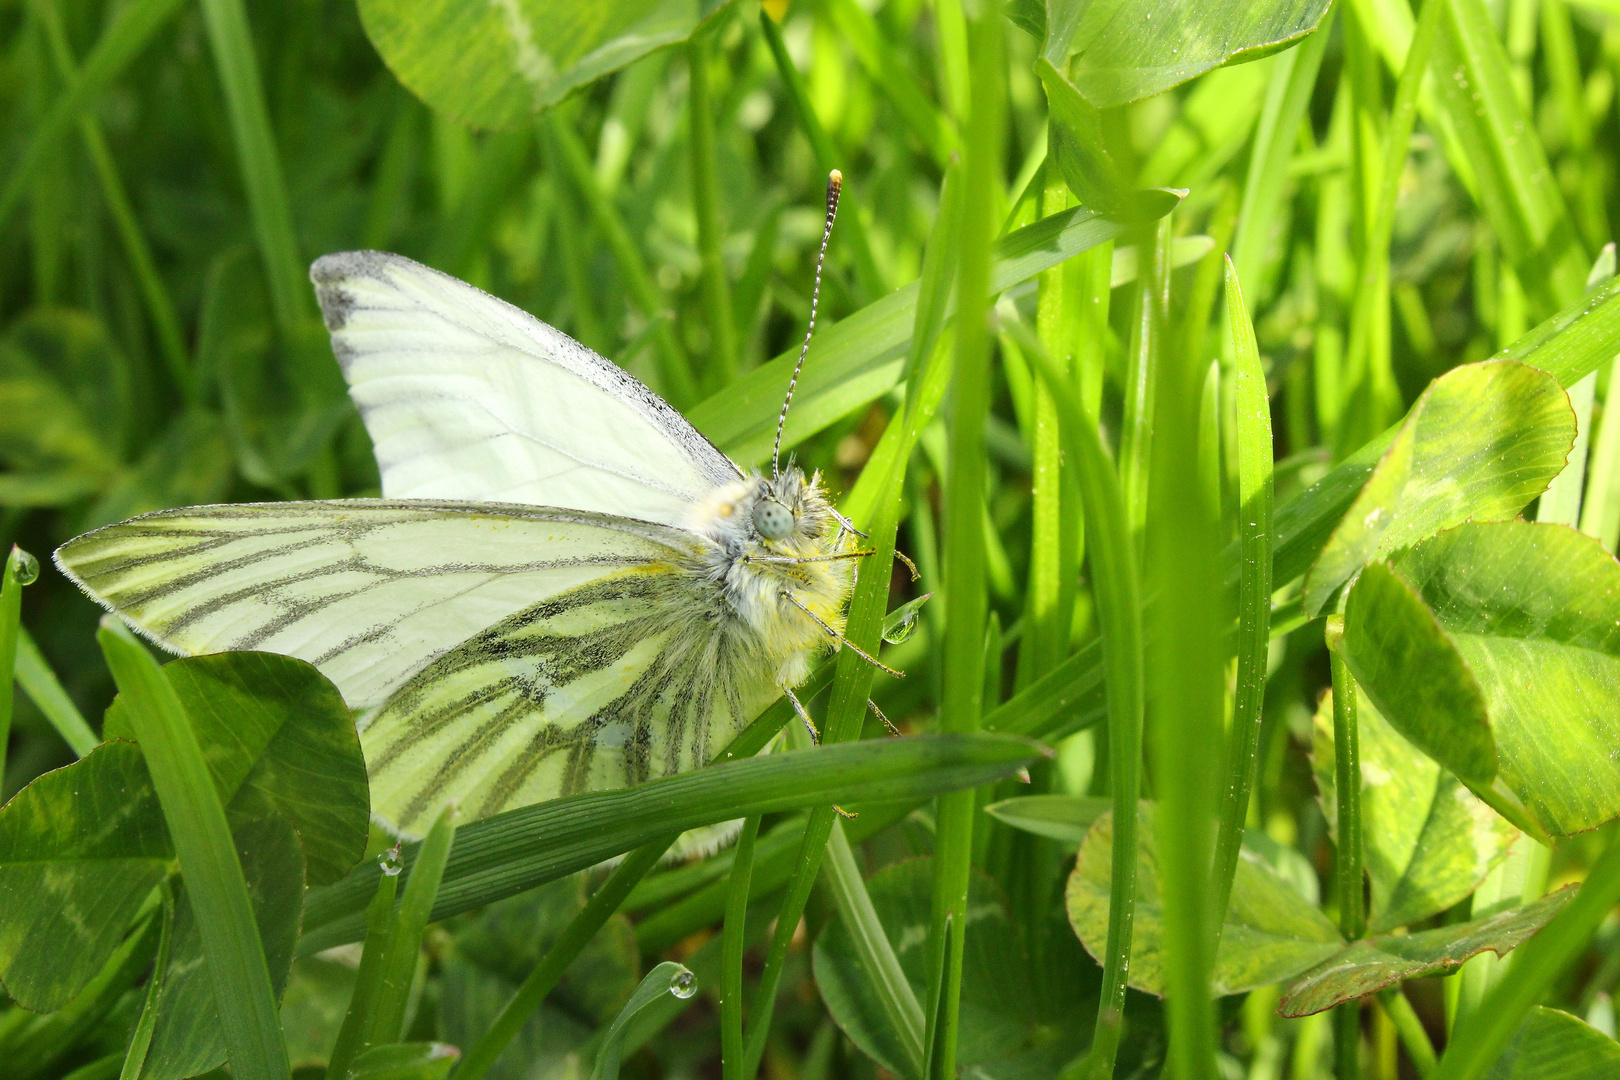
pixel 835 185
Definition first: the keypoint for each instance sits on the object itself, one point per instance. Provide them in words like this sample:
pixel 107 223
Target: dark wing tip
pixel 330 272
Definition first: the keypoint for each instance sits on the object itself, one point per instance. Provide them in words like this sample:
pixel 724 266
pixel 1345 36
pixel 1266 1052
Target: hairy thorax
pixel 777 592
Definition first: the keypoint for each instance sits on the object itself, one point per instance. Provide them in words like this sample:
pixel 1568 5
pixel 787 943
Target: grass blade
pixel 141 1040
pixel 202 841
pixel 889 72
pixel 1600 509
pixel 520 849
pixel 827 157
pixel 706 205
pixel 362 1000
pixel 1057 522
pixel 964 548
pixel 860 354
pixel 159 304
pixel 1184 631
pixel 21 569
pixel 1293 80
pixel 1147 329
pixel 900 1007
pixel 1517 188
pixel 1254 588
pixel 42 686
pixel 667 978
pixel 1119 612
pixel 1369 347
pixel 260 162
pixel 398 965
pixel 1410 1028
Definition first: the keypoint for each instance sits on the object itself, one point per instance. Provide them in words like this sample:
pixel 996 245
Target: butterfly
pixel 564 587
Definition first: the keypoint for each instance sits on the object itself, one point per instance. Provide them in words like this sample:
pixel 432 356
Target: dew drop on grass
pixel 683 985
pixel 25 566
pixel 390 862
pixel 900 623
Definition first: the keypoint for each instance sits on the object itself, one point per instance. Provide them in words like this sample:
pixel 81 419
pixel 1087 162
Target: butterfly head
pixel 787 514
pixel 789 508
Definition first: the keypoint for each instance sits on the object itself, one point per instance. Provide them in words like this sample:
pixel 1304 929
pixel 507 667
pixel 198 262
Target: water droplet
pixel 683 985
pixel 24 566
pixel 390 862
pixel 900 623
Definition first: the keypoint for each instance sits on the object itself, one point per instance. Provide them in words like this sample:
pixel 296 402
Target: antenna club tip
pixel 835 179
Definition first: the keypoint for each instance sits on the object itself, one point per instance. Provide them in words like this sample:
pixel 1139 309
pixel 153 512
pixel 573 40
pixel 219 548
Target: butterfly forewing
pixel 506 654
pixel 468 397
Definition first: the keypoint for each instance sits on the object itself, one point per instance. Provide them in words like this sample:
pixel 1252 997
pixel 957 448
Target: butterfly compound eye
pixel 773 520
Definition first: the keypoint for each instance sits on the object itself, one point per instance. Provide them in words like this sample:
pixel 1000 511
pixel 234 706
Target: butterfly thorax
pixel 771 538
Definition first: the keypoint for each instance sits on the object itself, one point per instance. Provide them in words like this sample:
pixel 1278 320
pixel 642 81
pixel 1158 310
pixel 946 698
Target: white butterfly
pixel 565 587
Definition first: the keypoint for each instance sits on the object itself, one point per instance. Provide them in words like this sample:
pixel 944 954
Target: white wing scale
pixel 467 397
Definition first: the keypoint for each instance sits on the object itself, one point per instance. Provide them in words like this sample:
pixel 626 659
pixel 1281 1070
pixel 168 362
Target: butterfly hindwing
pixel 606 685
pixel 468 397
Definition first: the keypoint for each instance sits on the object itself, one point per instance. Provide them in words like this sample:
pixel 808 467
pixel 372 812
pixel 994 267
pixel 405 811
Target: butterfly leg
pixel 870 704
pixel 846 525
pixel 841 639
pixel 909 564
pixel 804 714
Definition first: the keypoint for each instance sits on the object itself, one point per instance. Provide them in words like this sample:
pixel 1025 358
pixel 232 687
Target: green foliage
pixel 80 850
pixel 1412 194
pixel 405 1061
pixel 495 66
pixel 1480 443
pixel 1126 50
pixel 1519 618
pixel 1271 932
pixel 1428 841
pixel 1553 1045
pixel 1372 964
pixel 278 740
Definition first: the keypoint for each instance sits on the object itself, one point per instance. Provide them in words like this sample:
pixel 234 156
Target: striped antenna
pixel 835 185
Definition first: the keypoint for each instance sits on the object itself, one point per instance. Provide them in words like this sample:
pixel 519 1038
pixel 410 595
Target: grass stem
pixel 731 951
pixel 20 570
pixel 1347 862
